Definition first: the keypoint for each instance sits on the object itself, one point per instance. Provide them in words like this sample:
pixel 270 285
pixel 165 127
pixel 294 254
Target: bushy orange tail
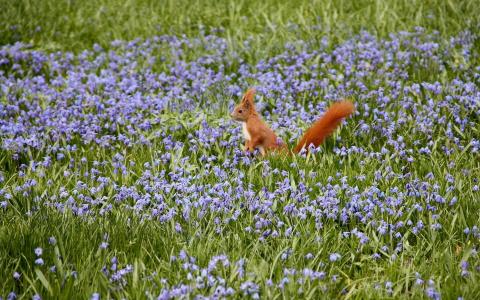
pixel 325 126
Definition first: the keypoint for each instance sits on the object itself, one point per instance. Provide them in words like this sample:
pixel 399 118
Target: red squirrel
pixel 258 135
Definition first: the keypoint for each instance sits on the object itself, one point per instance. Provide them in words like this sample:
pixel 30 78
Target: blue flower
pixel 334 257
pixel 95 296
pixel 38 251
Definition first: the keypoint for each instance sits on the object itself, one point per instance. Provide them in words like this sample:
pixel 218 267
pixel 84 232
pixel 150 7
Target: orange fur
pixel 325 126
pixel 259 135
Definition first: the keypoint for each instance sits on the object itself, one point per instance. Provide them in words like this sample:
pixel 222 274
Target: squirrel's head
pixel 242 111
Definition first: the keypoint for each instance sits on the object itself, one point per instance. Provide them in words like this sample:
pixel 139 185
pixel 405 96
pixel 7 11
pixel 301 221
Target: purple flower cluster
pixel 142 128
pixel 118 98
pixel 220 273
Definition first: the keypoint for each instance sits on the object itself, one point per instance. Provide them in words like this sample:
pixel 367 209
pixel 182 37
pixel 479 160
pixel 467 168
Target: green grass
pixel 76 25
pixel 148 245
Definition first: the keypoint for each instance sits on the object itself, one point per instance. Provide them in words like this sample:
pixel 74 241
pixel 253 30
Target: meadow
pixel 122 175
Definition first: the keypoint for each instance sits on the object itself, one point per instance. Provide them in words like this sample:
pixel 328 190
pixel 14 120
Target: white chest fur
pixel 246 135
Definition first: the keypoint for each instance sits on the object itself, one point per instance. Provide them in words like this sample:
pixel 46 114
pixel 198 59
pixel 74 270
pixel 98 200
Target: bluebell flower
pixel 11 296
pixel 334 257
pixel 95 296
pixel 38 251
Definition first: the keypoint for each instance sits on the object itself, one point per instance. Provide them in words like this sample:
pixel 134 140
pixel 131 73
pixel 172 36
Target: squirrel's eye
pixel 240 111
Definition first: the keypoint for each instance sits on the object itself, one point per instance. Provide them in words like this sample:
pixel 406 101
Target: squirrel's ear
pixel 248 97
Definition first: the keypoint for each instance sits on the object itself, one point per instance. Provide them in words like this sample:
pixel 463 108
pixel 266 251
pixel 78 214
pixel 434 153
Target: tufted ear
pixel 247 99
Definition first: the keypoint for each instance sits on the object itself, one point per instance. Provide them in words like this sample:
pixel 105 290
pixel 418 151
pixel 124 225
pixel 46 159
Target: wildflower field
pixel 122 175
